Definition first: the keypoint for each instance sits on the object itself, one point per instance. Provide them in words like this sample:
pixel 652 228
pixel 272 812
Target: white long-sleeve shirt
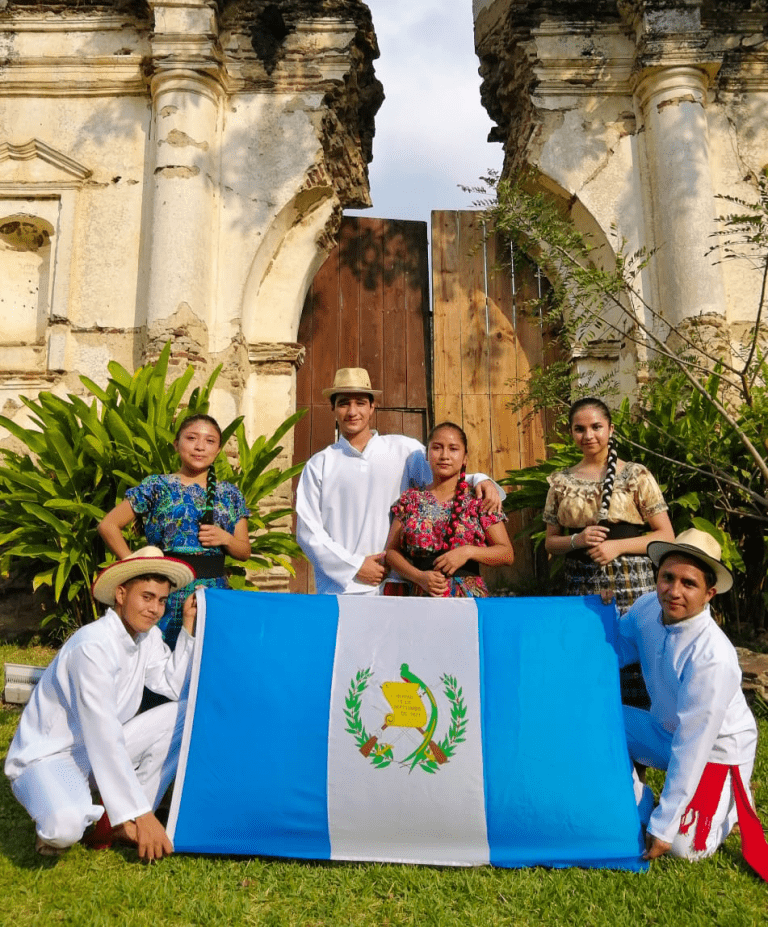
pixel 343 501
pixel 91 689
pixel 693 677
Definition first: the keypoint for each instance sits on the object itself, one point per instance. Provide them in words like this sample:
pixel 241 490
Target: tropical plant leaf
pixel 81 454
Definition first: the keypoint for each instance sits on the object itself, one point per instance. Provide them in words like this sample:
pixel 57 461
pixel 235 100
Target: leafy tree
pixel 81 455
pixel 701 419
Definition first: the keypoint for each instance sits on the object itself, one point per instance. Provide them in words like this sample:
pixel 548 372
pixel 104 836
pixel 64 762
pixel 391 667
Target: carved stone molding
pixel 606 348
pixel 54 170
pixel 276 357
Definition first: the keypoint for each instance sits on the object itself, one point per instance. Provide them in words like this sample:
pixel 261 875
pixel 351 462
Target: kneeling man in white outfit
pixel 80 732
pixel 699 728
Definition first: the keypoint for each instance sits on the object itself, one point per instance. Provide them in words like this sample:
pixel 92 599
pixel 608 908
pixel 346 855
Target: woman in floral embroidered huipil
pixel 440 535
pixel 188 514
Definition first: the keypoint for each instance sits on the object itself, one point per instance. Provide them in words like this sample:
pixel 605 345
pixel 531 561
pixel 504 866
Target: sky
pixel 431 130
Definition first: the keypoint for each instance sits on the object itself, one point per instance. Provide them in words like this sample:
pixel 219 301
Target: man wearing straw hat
pixel 346 490
pixel 78 730
pixel 699 727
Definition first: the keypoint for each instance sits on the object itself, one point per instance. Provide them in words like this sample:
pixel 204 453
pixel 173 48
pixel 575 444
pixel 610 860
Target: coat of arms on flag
pixel 407 713
pixel 448 732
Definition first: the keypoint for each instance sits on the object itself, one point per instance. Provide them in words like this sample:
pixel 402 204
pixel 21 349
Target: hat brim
pixel 363 391
pixel 657 550
pixel 178 574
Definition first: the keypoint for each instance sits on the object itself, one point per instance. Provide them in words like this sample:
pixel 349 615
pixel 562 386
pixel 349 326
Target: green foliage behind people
pixel 80 455
pixel 699 422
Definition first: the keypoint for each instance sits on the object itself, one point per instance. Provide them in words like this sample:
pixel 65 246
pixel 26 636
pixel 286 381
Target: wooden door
pixel 488 335
pixel 368 306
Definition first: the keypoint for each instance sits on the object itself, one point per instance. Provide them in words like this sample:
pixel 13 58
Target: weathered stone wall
pixel 175 170
pixel 640 114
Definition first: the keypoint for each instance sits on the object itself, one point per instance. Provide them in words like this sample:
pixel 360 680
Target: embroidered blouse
pixel 425 520
pixel 171 511
pixel 573 501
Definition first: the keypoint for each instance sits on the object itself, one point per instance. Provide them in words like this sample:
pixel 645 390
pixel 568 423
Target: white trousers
pixel 56 791
pixel 651 745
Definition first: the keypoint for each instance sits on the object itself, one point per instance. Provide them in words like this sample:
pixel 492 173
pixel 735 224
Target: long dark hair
pixel 210 482
pixel 461 486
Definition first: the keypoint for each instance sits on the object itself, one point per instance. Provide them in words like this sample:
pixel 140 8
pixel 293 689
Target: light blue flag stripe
pixel 558 777
pixel 255 778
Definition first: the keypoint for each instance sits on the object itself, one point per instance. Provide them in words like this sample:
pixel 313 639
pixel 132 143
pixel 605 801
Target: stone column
pixel 186 93
pixel 679 191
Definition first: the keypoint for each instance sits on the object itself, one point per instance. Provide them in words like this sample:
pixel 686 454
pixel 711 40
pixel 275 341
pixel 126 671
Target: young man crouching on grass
pixel 80 731
pixel 699 728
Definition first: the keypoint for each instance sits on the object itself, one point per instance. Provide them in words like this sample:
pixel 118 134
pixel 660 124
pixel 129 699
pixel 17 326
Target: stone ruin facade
pixel 174 169
pixel 640 115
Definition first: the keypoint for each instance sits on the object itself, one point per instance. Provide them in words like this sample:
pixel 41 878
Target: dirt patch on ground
pixel 22 611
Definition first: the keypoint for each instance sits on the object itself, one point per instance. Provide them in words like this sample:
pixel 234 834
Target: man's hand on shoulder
pixel 654 848
pixel 372 572
pixel 491 500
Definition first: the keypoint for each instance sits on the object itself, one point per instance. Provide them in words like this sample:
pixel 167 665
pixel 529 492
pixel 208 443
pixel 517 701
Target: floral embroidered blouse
pixel 425 520
pixel 573 501
pixel 171 511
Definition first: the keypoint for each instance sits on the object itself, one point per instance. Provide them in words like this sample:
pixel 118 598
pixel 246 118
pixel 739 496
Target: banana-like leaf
pixel 81 456
pixel 60 527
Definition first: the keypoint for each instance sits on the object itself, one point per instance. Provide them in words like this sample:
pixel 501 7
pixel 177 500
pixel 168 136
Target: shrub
pixel 82 454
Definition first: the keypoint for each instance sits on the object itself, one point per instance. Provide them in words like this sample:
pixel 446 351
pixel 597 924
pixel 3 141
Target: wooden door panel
pixel 368 306
pixel 486 339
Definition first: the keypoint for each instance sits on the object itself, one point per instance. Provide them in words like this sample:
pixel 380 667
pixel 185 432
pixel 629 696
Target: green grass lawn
pixel 91 888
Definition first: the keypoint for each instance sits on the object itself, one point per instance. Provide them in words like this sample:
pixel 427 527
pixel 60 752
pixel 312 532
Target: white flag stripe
pixel 384 806
pixel 192 680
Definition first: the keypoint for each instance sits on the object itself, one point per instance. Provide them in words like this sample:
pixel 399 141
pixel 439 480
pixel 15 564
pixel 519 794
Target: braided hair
pixel 210 497
pixel 608 480
pixel 454 518
pixel 458 502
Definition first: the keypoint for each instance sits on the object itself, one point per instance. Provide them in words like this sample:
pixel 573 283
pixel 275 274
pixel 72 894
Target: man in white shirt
pixel 346 491
pixel 80 730
pixel 699 728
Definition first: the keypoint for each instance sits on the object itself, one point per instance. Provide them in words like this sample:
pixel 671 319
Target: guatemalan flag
pixel 440 731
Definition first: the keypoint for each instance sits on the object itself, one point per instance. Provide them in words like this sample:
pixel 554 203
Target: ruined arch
pixel 297 242
pixel 598 350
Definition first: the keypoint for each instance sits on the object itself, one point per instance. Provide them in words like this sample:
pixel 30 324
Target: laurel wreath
pixel 458 727
pixel 381 756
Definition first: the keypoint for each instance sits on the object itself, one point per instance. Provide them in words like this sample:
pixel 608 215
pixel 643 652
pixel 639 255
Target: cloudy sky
pixel 431 129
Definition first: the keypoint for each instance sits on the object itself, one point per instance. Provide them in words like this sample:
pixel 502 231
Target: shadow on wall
pixel 378 255
pixel 267 53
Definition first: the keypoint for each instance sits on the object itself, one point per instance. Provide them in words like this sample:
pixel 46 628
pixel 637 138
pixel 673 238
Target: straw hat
pixel 351 380
pixel 144 560
pixel 698 544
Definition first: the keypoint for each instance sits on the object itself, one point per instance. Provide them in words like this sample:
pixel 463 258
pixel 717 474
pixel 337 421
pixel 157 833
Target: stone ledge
pixel 754 671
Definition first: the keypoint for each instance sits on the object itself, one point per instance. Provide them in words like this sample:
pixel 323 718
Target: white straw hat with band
pixel 698 544
pixel 142 561
pixel 351 380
